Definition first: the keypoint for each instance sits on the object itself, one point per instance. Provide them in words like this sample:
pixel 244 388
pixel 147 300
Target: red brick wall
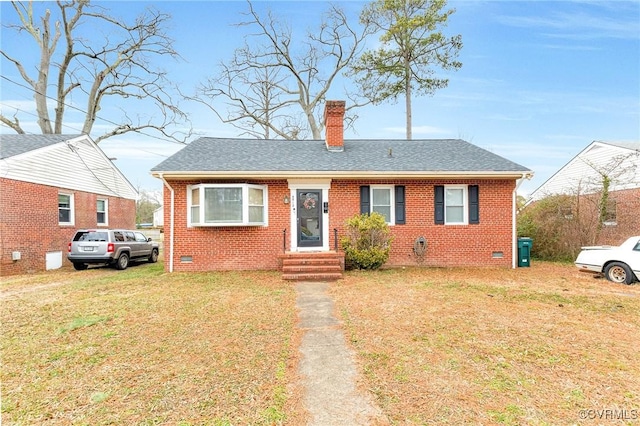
pixel 334 123
pixel 627 218
pixel 447 245
pixel 227 248
pixel 29 222
pixel 237 248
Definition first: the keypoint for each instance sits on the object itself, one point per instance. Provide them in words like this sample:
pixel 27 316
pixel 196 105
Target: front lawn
pixel 541 345
pixel 141 347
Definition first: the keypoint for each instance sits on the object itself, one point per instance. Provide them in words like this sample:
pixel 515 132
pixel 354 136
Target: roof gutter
pixel 364 174
pixel 171 220
pixel 514 249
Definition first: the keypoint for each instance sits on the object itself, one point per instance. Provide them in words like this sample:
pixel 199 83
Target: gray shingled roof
pixel 11 145
pixel 254 155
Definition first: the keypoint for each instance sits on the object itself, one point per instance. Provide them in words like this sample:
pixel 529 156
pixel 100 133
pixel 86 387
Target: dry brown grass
pixel 143 347
pixel 435 346
pixel 471 346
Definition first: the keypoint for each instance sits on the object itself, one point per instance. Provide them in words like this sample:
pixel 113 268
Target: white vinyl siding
pixel 78 165
pixel 581 174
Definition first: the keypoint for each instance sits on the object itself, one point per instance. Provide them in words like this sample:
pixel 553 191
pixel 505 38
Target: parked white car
pixel 620 264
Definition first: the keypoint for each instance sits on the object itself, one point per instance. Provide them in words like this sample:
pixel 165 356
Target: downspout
pixel 514 231
pixel 171 222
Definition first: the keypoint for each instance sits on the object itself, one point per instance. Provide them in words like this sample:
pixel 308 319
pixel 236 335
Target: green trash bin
pixel 524 251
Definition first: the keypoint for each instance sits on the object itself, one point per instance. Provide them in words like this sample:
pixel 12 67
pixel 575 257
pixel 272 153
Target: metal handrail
pixel 284 240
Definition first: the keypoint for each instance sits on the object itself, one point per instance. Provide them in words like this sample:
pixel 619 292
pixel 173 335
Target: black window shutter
pixel 474 205
pixel 439 204
pixel 400 204
pixel 365 203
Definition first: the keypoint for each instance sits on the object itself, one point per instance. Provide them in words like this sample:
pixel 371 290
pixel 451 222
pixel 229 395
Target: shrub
pixel 367 241
pixel 558 227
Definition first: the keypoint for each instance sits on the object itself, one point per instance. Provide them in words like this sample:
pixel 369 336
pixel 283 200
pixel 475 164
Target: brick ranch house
pixel 51 185
pixel 239 204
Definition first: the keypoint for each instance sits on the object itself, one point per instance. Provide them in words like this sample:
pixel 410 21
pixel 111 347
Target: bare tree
pixel 116 66
pixel 272 89
pixel 146 204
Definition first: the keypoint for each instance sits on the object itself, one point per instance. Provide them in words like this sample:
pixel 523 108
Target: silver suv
pixel 115 247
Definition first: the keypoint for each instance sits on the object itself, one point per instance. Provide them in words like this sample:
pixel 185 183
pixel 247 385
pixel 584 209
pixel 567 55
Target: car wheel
pixel 80 266
pixel 154 256
pixel 123 261
pixel 618 273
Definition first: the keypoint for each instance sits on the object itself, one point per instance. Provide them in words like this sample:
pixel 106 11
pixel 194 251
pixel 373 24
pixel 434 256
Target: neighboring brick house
pixel 50 185
pixel 249 204
pixel 582 179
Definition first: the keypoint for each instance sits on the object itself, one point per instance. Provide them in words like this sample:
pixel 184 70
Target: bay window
pixel 227 205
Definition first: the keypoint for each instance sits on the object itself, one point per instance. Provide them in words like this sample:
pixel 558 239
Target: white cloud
pixel 579 25
pixel 18 105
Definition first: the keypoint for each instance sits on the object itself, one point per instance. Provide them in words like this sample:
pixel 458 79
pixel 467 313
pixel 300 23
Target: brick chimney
pixel 334 125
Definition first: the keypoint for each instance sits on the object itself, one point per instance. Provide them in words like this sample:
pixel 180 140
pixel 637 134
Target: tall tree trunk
pixel 40 88
pixel 407 99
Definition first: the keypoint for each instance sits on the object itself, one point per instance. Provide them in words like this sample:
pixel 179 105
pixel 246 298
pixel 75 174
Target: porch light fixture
pixel 286 199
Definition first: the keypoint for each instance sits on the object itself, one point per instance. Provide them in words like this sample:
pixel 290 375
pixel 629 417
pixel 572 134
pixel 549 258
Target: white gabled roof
pixel 620 161
pixel 64 161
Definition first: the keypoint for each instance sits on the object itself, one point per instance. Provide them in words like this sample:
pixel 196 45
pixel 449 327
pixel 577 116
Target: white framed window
pixel 382 201
pixel 102 211
pixel 227 205
pixel 65 209
pixel 194 202
pixel 455 205
pixel 610 215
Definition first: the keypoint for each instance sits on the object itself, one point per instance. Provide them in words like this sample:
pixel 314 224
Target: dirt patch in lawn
pixel 539 345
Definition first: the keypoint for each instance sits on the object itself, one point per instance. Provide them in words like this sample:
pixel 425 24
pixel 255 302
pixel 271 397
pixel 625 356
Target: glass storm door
pixel 309 218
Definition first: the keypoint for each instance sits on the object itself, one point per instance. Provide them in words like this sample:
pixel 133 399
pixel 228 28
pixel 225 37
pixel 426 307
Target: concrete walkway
pixel 327 366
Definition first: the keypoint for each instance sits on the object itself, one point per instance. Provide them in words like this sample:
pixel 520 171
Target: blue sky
pixel 540 80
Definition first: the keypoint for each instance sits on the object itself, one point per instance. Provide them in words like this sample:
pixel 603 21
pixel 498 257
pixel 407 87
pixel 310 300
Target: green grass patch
pixel 81 322
pixel 510 415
